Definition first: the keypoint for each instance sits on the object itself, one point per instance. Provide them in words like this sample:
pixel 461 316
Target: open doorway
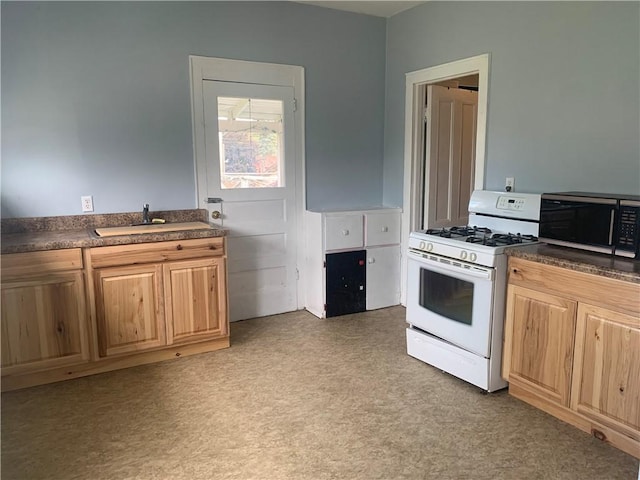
pixel 449 139
pixel 422 181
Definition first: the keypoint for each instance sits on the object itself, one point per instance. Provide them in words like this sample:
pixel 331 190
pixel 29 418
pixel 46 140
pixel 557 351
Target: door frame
pixel 242 71
pixel 415 92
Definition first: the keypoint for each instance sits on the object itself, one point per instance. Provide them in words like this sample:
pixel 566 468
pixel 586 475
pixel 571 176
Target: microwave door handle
pixel 611 227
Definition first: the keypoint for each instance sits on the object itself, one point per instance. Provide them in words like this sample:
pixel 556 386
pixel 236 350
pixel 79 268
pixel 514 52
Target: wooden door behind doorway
pixel 451 124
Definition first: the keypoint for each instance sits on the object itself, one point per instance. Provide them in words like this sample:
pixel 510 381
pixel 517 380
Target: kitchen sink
pixel 150 228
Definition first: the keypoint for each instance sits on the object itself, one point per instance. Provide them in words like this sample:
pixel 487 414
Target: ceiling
pixel 378 9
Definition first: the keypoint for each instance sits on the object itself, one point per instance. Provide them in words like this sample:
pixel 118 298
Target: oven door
pixel 452 300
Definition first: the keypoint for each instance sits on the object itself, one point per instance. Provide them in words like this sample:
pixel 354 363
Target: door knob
pixel 215 214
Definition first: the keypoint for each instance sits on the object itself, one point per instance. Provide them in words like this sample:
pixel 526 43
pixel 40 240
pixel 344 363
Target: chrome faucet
pixel 145 213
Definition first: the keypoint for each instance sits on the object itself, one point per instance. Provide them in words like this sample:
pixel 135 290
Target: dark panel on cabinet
pixel 346 283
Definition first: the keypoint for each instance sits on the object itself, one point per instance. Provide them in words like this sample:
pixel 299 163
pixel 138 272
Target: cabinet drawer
pixel 156 252
pixel 594 289
pixel 17 264
pixel 382 229
pixel 343 232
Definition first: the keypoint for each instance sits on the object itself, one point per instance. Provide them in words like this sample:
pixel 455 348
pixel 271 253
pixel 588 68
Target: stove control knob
pixel 463 255
pixel 422 246
pixel 473 257
pixel 429 247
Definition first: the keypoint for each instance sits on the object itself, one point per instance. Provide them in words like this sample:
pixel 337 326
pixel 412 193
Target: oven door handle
pixel 446 265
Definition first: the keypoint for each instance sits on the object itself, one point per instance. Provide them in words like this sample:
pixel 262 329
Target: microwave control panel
pixel 628 226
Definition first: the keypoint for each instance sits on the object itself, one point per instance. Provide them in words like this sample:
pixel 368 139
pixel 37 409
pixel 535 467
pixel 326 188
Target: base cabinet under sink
pixel 148 299
pixel 105 308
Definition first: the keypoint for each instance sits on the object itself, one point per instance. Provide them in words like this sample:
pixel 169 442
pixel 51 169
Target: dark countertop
pixel 78 231
pixel 580 260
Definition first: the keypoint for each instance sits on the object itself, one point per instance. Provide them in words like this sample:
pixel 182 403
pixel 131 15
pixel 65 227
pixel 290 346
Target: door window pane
pixel 250 134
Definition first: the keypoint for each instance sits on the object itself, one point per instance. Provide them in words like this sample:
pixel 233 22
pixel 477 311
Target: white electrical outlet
pixel 510 184
pixel 87 203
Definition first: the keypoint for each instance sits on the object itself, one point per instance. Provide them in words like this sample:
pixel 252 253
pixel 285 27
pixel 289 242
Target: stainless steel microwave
pixel 604 223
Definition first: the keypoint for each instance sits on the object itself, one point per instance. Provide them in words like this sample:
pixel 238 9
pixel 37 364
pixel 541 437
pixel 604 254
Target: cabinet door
pixel 196 300
pixel 539 342
pixel 346 283
pixel 44 322
pixel 130 309
pixel 383 277
pixel 606 377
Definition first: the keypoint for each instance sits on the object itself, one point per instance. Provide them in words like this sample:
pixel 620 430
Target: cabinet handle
pixel 178 247
pixel 345 232
pixel 384 229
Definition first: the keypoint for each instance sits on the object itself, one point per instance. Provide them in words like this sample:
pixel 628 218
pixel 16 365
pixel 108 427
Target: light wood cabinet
pixel 44 320
pixel 148 296
pixel 71 313
pixel 196 308
pixel 606 370
pixel 129 308
pixel 572 348
pixel 541 346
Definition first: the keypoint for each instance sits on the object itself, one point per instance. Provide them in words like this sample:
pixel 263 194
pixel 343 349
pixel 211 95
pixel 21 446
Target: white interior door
pixel 250 170
pixel 450 151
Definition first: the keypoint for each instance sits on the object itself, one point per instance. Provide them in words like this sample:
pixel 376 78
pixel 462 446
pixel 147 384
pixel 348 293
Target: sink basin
pixel 151 228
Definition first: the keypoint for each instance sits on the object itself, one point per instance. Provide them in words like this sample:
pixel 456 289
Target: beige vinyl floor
pixel 294 397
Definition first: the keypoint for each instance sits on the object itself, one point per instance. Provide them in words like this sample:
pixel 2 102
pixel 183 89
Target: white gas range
pixel 457 283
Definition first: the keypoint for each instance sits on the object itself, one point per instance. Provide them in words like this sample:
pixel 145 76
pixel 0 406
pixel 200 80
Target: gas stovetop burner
pixel 482 240
pixel 471 231
pixel 498 239
pixel 481 236
pixel 453 232
pixel 513 238
pixel 444 232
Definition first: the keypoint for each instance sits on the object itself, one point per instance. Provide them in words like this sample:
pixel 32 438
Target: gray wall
pixel 564 89
pixel 95 99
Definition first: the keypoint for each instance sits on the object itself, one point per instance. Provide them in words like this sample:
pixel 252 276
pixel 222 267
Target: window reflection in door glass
pixel 250 134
